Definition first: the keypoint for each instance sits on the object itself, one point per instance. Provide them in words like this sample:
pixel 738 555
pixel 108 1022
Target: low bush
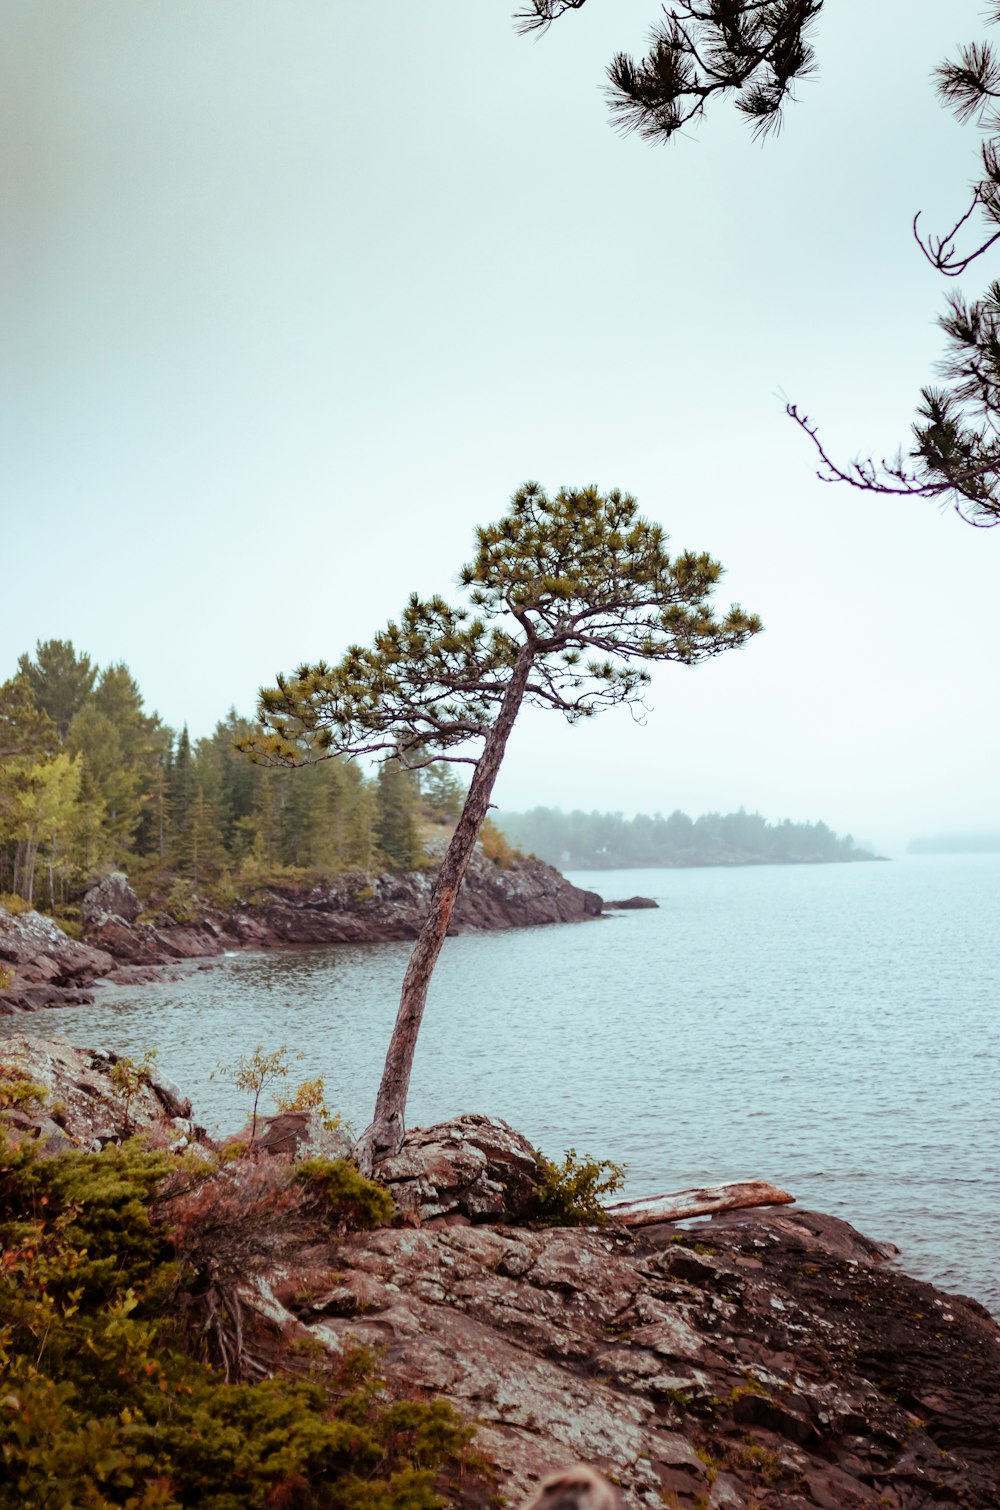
pixel 355 1204
pixel 102 1404
pixel 308 1097
pixel 569 1194
pixel 496 846
pixel 17 1092
pixel 11 902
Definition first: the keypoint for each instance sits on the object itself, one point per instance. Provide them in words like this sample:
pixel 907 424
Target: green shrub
pixel 17 1093
pixel 354 1202
pixel 311 1096
pixel 182 903
pixel 102 1404
pixel 569 1194
pixel 14 904
pixel 128 1076
pixel 496 846
pixel 71 927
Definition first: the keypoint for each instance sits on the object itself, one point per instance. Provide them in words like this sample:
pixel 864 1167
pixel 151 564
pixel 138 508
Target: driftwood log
pixel 703 1202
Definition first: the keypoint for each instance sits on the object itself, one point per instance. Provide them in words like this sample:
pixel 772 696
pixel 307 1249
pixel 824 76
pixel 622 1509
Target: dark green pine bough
pixel 571 595
pixel 755 51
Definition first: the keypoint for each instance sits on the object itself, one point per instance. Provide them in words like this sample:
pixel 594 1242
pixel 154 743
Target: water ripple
pixel 833 1029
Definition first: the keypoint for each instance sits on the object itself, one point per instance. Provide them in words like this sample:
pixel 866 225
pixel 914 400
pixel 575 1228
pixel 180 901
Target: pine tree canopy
pixel 568 598
pixel 754 52
pixel 753 49
pixel 60 680
pixel 577 588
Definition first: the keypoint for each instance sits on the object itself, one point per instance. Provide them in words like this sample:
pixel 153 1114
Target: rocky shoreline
pixel 44 967
pixel 764 1360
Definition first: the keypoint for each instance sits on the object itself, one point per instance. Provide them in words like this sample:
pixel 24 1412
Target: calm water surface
pixel 833 1029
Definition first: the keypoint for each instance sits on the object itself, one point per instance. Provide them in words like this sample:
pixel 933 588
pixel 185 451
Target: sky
pixel 292 297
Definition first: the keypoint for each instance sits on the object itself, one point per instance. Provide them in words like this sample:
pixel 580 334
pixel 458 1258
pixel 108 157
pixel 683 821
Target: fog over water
pixel 832 1029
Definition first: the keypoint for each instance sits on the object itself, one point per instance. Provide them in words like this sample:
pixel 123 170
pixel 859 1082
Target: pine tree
pixel 201 854
pixel 182 782
pixel 755 51
pixel 441 793
pixel 573 594
pixel 396 828
pixel 59 679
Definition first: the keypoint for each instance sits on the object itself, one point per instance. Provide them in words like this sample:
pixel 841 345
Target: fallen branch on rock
pixel 698 1202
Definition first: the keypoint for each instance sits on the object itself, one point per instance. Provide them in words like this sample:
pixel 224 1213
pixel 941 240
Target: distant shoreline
pixel 717 864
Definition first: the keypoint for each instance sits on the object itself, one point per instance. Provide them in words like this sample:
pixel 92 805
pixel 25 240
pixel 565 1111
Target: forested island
pixel 610 841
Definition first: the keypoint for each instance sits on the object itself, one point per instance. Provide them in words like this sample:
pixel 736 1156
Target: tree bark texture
pixel 384 1136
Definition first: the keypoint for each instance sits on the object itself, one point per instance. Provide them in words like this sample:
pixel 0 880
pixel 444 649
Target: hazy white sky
pixel 293 296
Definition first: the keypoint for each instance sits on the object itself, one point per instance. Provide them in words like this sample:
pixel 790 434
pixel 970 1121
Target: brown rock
pixel 784 1365
pixel 82 1107
pixel 46 967
pixel 474 1166
pixel 300 1135
pixel 357 908
pixel 690 1391
pixel 143 944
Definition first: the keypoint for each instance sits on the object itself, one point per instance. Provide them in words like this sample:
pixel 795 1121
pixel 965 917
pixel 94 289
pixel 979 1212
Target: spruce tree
pixel 201 854
pixel 396 831
pixel 182 782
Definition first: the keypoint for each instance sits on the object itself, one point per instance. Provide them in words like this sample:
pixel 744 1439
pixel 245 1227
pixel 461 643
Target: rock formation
pixel 82 1106
pixel 111 920
pixel 765 1360
pixel 357 908
pixel 42 966
pixel 49 969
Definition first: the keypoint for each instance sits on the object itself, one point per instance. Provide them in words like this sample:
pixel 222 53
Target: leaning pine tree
pixel 571 595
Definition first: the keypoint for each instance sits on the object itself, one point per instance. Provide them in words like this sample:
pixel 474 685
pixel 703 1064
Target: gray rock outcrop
pixel 43 966
pixel 294 1136
pixel 111 912
pixel 358 908
pixel 765 1360
pixel 81 1106
pixel 111 897
pixel 473 1167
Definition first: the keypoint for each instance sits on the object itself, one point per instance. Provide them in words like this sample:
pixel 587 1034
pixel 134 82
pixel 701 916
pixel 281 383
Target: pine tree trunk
pixel 28 878
pixel 384 1137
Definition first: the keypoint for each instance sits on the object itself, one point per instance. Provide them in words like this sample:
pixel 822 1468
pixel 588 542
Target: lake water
pixel 833 1029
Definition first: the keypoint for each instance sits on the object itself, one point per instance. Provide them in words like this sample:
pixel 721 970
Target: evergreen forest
pixel 609 841
pixel 89 779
